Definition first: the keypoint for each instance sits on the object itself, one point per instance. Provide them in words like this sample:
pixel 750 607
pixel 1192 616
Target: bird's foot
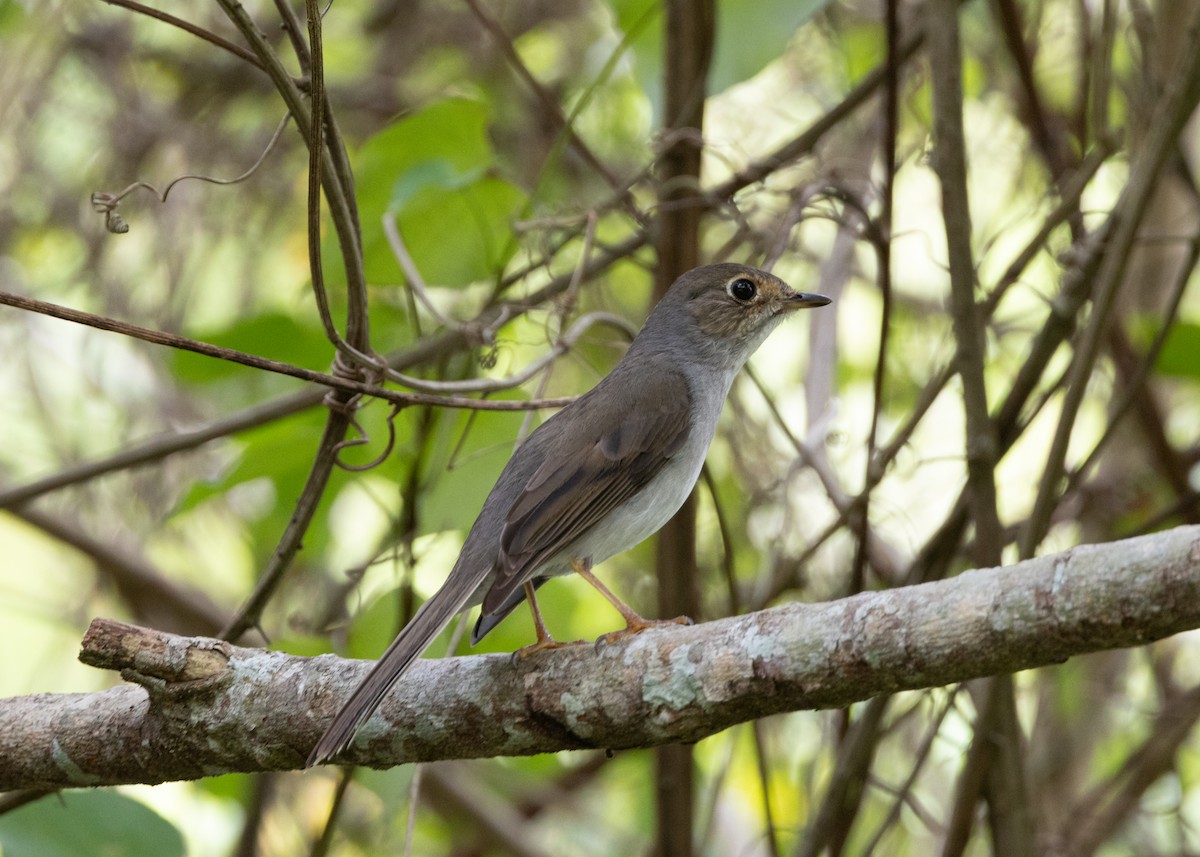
pixel 636 625
pixel 541 645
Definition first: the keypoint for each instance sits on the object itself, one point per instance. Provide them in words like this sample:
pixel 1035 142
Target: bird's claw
pixel 636 627
pixel 541 645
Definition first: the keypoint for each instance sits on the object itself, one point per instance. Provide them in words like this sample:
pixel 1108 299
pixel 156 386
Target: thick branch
pixel 206 707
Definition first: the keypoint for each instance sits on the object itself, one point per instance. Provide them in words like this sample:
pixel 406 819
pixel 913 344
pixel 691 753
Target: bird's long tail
pixel 412 640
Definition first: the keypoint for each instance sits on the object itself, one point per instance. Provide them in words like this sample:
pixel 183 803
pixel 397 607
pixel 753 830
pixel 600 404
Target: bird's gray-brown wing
pixel 617 446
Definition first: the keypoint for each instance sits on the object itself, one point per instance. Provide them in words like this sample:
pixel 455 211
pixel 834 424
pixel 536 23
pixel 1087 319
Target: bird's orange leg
pixel 544 640
pixel 634 622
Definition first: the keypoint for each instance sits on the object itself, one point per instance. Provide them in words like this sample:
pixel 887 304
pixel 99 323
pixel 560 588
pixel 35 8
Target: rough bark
pixel 201 707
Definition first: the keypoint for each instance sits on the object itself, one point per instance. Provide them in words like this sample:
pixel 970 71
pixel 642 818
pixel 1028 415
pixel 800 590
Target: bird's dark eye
pixel 742 290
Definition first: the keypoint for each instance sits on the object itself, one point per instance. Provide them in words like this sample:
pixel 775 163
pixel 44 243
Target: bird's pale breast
pixel 647 511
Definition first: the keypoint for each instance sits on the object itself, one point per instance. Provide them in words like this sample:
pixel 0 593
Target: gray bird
pixel 601 475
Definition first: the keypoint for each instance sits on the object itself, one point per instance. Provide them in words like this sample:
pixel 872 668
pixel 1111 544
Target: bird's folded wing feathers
pixel 583 479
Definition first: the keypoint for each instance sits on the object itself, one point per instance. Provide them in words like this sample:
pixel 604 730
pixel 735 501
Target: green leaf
pixel 753 33
pixel 460 476
pixel 375 626
pixel 101 823
pixel 431 171
pixel 642 23
pixel 272 335
pixel 750 34
pixel 1180 355
pixel 234 787
pixel 463 236
pixel 436 173
pixel 454 130
pixel 12 15
pixel 280 451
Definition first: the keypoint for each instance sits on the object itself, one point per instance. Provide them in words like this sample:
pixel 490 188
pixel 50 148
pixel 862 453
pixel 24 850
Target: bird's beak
pixel 804 300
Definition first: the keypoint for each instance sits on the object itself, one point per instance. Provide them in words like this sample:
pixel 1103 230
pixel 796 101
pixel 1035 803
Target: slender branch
pixel 106 203
pixel 904 792
pixel 294 28
pixel 545 99
pixel 993 765
pixel 335 382
pixel 337 179
pixel 426 351
pixel 1095 818
pixel 805 142
pixel 490 385
pixel 859 516
pixel 1047 134
pixel 501 825
pixel 316 148
pixel 153 597
pixel 844 792
pixel 997 735
pixel 1177 104
pixel 950 160
pixel 157 448
pixel 689 34
pixel 292 538
pixel 188 27
pixel 1134 384
pixel 412 274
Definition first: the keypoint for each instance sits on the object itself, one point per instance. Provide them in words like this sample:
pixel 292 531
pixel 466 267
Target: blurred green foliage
pixel 101 823
pixel 483 183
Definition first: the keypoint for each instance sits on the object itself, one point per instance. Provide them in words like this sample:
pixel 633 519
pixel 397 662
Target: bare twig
pixel 1137 379
pixel 334 382
pixel 844 792
pixel 951 163
pixel 1172 111
pixel 188 27
pixel 153 597
pixel 106 203
pixel 545 99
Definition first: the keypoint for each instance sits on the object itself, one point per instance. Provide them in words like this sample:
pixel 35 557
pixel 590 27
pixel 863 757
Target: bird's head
pixel 726 311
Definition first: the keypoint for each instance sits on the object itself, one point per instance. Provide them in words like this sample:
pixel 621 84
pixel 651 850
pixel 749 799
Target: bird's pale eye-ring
pixel 742 290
